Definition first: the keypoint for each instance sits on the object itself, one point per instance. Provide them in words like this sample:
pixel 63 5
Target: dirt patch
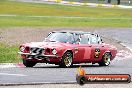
pixel 22 35
pixel 19 35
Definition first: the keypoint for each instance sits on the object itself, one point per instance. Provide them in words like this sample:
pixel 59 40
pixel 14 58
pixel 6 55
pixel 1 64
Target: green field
pixel 61 16
pixel 22 14
pixel 8 54
pixel 64 22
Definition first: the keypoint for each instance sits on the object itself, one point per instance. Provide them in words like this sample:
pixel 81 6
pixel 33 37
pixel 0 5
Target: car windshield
pixel 60 37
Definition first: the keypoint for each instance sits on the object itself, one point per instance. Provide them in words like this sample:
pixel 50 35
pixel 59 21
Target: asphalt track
pixel 43 74
pixel 123 35
pixel 72 3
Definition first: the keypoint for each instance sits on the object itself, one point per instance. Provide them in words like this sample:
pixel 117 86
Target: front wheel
pixel 66 60
pixel 29 63
pixel 105 60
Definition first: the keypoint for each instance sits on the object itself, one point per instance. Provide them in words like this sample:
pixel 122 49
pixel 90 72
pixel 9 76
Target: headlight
pixel 54 51
pixel 22 49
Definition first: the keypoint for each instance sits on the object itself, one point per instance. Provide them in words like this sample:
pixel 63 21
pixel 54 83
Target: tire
pixel 105 60
pixel 66 60
pixel 81 80
pixel 29 63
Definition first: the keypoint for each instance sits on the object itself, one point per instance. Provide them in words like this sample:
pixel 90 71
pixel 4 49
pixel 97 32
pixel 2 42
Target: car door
pixel 83 49
pixel 97 49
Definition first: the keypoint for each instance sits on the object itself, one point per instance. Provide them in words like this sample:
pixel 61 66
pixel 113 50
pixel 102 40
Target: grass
pixel 8 54
pixel 21 8
pixel 33 9
pixel 21 21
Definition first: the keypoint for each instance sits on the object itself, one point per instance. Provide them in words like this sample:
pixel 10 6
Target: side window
pixel 71 38
pixel 76 38
pixel 99 39
pixel 93 39
pixel 84 39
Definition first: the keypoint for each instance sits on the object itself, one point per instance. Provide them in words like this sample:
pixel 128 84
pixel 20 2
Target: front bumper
pixel 33 54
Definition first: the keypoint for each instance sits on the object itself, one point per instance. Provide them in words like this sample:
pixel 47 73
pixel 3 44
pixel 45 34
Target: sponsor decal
pixel 83 78
pixel 97 53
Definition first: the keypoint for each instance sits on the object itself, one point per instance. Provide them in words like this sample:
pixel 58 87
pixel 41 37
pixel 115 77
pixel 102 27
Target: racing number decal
pixel 37 51
pixel 96 53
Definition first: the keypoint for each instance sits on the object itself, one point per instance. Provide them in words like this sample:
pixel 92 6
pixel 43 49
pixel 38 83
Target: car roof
pixel 70 31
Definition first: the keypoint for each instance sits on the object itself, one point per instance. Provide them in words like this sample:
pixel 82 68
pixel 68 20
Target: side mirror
pixel 46 39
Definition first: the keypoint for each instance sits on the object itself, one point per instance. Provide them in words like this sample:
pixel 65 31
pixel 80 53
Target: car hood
pixel 46 44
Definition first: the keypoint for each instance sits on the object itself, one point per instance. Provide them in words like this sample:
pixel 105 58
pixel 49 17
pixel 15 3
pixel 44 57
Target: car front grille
pixel 38 51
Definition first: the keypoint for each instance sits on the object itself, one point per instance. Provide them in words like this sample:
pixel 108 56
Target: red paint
pixel 82 53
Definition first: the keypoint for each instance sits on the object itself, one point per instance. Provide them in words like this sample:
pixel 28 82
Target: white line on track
pixel 8 15
pixel 8 74
pixel 7 65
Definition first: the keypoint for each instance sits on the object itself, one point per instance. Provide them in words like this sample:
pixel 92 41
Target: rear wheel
pixel 105 60
pixel 66 60
pixel 29 63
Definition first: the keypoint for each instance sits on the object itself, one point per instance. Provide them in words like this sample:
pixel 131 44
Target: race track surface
pixel 52 74
pixel 42 73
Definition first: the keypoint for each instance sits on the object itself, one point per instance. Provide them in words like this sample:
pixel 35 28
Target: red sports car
pixel 65 48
